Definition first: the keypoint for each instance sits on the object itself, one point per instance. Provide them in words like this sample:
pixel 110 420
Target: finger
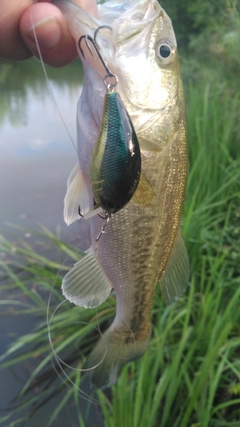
pixel 43 27
pixel 12 45
pixel 90 6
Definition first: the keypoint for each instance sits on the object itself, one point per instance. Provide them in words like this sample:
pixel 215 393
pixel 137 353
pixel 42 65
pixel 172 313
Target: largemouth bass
pixel 142 243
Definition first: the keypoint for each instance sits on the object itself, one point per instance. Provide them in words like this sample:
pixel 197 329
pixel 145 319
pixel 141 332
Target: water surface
pixel 36 151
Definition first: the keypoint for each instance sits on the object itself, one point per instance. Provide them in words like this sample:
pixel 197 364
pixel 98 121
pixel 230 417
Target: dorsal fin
pixel 175 279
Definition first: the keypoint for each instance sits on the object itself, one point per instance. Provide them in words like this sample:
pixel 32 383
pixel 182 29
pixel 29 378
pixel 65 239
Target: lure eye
pixel 165 52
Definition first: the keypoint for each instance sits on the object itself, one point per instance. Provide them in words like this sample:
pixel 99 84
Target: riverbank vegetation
pixel 190 374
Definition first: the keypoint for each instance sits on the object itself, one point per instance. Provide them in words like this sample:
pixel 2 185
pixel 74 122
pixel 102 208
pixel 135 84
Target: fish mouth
pixel 130 17
pixel 121 22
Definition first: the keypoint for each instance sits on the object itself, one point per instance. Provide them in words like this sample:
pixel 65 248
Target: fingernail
pixel 47 32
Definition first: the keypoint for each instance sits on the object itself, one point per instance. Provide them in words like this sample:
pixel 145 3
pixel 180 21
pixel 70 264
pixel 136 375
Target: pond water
pixel 36 158
pixel 36 151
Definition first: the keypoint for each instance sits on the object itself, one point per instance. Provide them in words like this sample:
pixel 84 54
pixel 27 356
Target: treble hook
pixel 88 38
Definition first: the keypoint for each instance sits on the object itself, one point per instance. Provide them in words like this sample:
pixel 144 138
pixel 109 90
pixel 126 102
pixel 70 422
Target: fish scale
pixel 135 301
pixel 142 243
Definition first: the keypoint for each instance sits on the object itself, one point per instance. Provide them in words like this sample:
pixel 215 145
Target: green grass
pixel 190 374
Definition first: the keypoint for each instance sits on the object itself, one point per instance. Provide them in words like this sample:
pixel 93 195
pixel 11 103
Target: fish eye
pixel 165 52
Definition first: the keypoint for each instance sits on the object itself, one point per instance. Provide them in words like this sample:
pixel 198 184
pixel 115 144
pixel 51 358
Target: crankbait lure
pixel 115 164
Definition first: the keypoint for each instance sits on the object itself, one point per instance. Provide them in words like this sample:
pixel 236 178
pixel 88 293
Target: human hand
pixel 17 37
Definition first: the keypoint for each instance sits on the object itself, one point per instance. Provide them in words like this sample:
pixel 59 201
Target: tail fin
pixel 113 350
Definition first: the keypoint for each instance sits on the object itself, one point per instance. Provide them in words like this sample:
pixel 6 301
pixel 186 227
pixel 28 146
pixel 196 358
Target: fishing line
pixel 50 87
pixel 131 332
pixel 58 359
pixel 60 362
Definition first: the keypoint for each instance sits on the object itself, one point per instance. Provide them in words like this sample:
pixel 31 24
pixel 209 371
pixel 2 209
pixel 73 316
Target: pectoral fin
pixel 86 284
pixel 175 279
pixel 143 195
pixel 77 195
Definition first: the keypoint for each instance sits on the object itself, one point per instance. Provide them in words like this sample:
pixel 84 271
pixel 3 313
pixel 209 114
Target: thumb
pixel 43 27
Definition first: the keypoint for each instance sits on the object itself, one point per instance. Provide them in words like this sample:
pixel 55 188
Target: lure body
pixel 115 164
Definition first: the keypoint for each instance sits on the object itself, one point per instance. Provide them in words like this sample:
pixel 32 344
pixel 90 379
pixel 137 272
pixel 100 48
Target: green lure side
pixel 115 165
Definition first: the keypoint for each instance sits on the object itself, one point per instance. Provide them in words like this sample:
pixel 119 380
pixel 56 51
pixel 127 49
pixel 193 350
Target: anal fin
pixel 85 284
pixel 112 351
